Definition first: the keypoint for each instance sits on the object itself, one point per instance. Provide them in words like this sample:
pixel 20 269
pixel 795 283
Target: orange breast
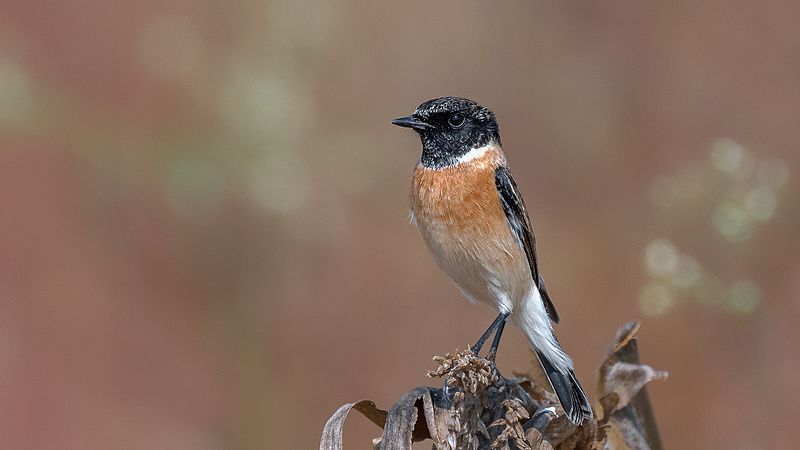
pixel 459 214
pixel 463 198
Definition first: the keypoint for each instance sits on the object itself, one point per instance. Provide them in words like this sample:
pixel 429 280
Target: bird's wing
pixel 520 224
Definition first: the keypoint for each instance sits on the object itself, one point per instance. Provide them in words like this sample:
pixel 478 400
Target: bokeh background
pixel 204 229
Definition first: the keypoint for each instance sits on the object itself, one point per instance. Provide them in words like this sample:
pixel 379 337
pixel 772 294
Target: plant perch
pixel 479 409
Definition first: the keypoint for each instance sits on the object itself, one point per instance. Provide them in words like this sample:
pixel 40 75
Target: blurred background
pixel 204 231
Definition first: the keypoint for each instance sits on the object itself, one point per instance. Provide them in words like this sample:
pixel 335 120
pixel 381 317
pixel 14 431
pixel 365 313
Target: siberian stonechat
pixel 471 216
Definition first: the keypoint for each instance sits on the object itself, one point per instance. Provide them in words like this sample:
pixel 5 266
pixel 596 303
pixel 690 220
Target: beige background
pixel 204 229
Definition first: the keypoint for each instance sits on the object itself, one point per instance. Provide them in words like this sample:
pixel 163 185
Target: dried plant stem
pixel 477 408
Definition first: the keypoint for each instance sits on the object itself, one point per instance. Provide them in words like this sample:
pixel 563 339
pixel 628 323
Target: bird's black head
pixel 449 128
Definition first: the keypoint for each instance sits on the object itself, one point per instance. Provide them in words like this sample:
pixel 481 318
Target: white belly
pixel 492 271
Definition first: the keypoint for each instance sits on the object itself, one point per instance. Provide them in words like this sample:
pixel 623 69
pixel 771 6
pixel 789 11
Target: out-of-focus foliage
pixel 200 200
pixel 738 194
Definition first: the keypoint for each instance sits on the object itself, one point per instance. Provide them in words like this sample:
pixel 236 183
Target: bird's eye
pixel 456 120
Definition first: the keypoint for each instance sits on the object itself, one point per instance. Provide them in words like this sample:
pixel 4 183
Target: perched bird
pixel 471 215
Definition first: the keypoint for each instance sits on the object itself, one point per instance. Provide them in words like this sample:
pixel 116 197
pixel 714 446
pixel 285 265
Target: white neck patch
pixel 475 153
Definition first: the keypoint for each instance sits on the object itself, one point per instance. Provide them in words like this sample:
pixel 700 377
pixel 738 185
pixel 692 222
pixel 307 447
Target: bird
pixel 470 213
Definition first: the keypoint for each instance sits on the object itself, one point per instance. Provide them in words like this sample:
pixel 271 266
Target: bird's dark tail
pixel 568 390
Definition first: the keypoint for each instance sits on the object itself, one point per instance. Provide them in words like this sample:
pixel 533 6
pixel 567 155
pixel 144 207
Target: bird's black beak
pixel 413 122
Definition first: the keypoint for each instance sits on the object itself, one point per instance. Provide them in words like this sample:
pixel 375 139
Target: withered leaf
pixel 332 433
pixel 629 422
pixel 609 403
pixel 626 380
pixel 404 423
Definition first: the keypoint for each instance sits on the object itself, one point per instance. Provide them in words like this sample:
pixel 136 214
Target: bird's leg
pixel 497 335
pixel 479 345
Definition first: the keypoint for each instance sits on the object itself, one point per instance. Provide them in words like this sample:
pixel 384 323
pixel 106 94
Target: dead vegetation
pixel 477 408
